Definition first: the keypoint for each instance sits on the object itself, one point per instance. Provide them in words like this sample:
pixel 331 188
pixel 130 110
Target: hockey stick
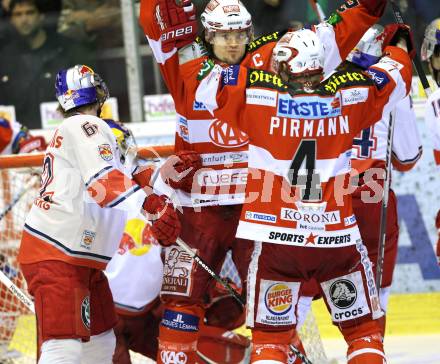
pixel 17 292
pixel 211 272
pixel 17 198
pixel 416 60
pixel 384 206
pixel 227 286
pixel 318 9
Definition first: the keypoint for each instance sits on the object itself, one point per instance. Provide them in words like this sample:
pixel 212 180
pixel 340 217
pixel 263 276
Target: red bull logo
pixel 278 299
pixel 105 151
pixel 85 69
pixel 137 238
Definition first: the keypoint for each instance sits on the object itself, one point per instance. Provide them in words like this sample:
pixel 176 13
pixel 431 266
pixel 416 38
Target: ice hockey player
pixel 369 161
pixel 300 132
pixel 431 53
pixel 16 138
pixel 227 30
pixel 75 224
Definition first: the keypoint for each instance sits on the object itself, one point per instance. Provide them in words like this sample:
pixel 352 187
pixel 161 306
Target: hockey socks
pixel 178 334
pixel 270 347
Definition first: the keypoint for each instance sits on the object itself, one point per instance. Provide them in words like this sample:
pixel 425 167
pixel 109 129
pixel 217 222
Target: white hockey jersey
pixel 135 271
pixel 370 146
pixel 74 218
pixel 432 118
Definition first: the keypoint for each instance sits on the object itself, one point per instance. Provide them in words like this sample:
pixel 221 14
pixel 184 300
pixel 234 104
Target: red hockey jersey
pixel 300 145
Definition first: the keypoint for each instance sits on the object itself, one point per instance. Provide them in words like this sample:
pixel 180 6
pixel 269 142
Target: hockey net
pixel 19 179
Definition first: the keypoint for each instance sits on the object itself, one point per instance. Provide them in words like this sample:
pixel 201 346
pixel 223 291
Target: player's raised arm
pixel 344 28
pixel 169 27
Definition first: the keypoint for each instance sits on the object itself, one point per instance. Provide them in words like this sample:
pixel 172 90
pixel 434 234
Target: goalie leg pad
pixel 270 347
pixel 365 343
pixel 178 333
pixel 67 351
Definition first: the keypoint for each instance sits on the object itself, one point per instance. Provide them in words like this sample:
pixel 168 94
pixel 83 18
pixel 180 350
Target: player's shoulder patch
pixel 260 78
pixel 192 51
pixel 346 77
pixel 265 39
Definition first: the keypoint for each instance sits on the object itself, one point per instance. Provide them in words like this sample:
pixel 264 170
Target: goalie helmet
pixel 302 52
pixel 369 49
pixel 124 138
pixel 78 86
pixel 226 15
pixel 431 39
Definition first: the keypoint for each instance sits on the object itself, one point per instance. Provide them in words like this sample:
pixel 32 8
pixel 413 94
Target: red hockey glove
pixel 177 23
pixel 394 32
pixel 179 170
pixel 165 223
pixel 32 144
pixel 437 225
pixel 374 7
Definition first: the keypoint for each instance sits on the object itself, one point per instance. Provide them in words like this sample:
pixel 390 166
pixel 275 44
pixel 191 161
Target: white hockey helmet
pixel 78 86
pixel 225 16
pixel 301 50
pixel 431 39
pixel 369 49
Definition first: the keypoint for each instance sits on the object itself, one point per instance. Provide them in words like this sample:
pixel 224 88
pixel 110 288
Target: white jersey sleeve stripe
pixel 56 244
pixel 102 172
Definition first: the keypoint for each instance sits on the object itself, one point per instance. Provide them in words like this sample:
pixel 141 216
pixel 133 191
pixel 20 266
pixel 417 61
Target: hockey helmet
pixel 78 86
pixel 431 39
pixel 226 16
pixel 369 49
pixel 301 51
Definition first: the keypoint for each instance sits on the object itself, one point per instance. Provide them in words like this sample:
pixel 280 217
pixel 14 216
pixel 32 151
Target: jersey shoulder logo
pixel 345 78
pixel 260 78
pixel 265 39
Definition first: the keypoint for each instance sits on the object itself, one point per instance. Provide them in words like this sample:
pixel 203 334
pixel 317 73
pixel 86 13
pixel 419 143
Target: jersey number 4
pixel 302 172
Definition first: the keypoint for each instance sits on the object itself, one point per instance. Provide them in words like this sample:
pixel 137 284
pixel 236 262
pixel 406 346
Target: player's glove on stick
pixel 395 32
pixel 177 23
pixel 178 171
pixel 165 223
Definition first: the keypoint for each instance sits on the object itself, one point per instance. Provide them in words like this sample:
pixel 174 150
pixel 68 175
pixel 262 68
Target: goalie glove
pixel 178 171
pixel 165 223
pixel 393 33
pixel 177 23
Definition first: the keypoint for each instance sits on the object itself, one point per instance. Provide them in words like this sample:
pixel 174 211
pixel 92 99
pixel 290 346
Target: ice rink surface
pixel 418 349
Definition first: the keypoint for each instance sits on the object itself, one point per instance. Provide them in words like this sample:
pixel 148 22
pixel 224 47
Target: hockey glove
pixel 395 32
pixel 165 223
pixel 142 175
pixel 374 7
pixel 177 23
pixel 32 144
pixel 179 170
pixel 437 225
